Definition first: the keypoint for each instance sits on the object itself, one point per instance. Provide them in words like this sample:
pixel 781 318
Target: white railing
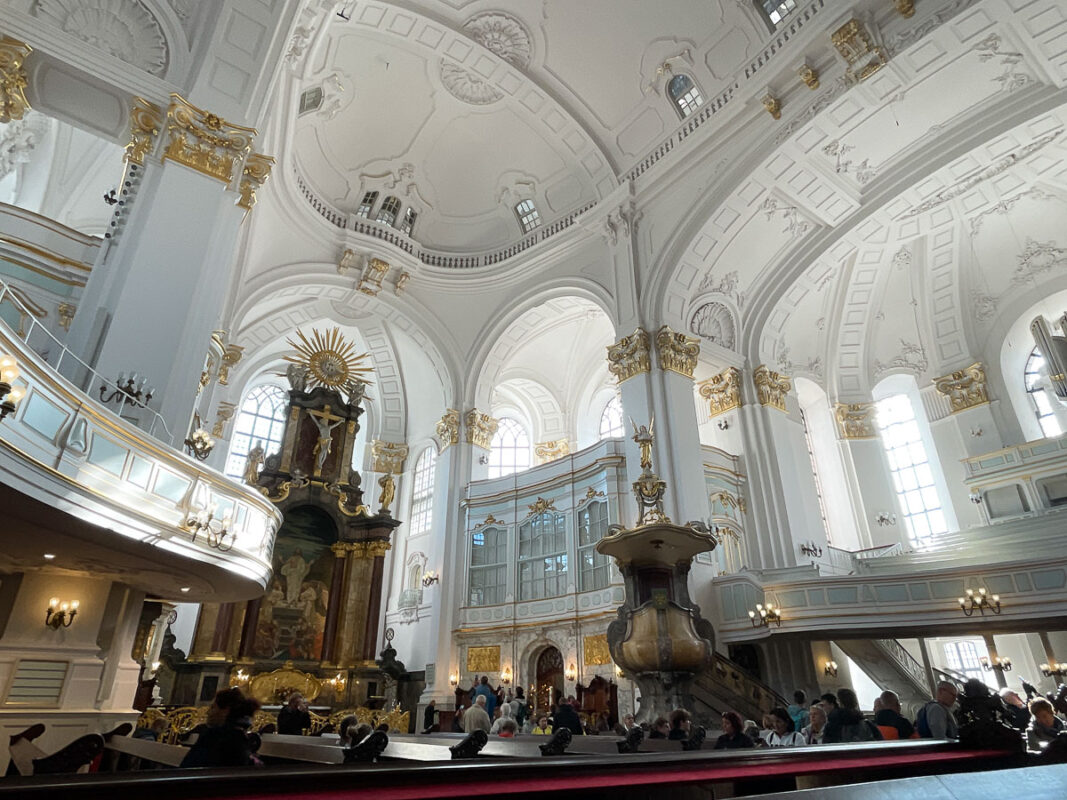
pixel 843 562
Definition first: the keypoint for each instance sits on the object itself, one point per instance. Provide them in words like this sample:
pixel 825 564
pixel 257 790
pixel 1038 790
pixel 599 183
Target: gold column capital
pixel 447 429
pixel 677 352
pixel 146 121
pixel 480 428
pixel 722 391
pixel 771 387
pixel 630 356
pixel 339 549
pixel 13 81
pixel 855 420
pixel 204 141
pixel 388 457
pixel 965 388
pixel 864 58
pixel 253 175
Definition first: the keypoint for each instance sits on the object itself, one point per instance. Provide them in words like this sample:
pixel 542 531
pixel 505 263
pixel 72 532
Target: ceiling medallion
pixel 329 359
pixel 467 86
pixel 503 35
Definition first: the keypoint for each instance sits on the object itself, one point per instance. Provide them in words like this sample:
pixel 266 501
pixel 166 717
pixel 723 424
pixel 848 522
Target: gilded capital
pixel 630 356
pixel 550 451
pixel 677 352
pixel 965 388
pixel 480 429
pixel 388 457
pixel 204 141
pixel 864 58
pixel 771 387
pixel 253 175
pixel 722 391
pixel 13 82
pixel 223 414
pixel 146 121
pixel 855 420
pixel 447 429
pixel 373 275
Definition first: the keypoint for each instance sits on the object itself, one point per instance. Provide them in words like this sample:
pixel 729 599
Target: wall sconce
pixel 338 682
pixel 240 678
pixel 571 673
pixel 763 616
pixel 9 395
pixel 430 577
pixel 811 549
pixel 127 390
pixel 453 679
pixel 885 518
pixel 505 676
pixel 1055 670
pixel 830 669
pixel 216 531
pixel 60 613
pixel 998 665
pixel 979 602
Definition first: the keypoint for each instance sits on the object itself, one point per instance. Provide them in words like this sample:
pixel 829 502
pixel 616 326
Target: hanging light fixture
pixel 765 615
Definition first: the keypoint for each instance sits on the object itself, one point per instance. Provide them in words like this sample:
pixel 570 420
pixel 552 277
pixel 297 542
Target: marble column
pixel 337 582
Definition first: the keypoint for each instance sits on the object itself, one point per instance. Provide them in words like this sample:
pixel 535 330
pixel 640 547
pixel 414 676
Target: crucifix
pixel 322 420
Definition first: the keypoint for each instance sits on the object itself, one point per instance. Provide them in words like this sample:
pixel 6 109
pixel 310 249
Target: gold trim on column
pixel 771 387
pixel 855 420
pixel 630 356
pixel 447 429
pixel 722 391
pixel 204 141
pixel 677 352
pixel 254 174
pixel 388 456
pixel 550 451
pixel 13 81
pixel 965 388
pixel 146 120
pixel 480 429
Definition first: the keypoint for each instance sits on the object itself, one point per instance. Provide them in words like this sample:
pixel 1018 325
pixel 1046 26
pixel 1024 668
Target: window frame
pixel 389 211
pixel 539 559
pixel 366 205
pixel 278 419
pixel 597 574
pixel 1048 422
pixel 497 467
pixel 422 489
pixel 766 14
pixel 528 215
pixel 957 660
pixel 498 569
pixel 688 101
pixel 613 431
pixel 408 220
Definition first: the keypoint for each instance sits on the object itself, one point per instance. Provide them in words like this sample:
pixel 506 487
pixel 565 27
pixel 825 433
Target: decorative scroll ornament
pixel 906 8
pixel 771 387
pixel 965 388
pixel 388 456
pixel 855 420
pixel 223 414
pixel 480 429
pixel 629 356
pixel 330 360
pixel 231 354
pixel 590 493
pixel 205 142
pixel 540 506
pixel 13 102
pixel 595 650
pixel 715 322
pixel 66 312
pixel 483 659
pixel 146 121
pixel 722 391
pixel 677 352
pixel 447 429
pixel 490 520
pixel 254 174
pixel 550 451
pixel 373 275
pixel 863 56
pixel 125 29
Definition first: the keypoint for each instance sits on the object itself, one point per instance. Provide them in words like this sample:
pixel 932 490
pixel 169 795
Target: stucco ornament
pixel 714 322
pixel 503 35
pixel 468 87
pixel 125 29
pixel 18 139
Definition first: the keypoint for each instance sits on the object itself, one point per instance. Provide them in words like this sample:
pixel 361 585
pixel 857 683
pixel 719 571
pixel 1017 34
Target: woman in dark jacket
pixel 733 737
pixel 225 740
pixel 846 723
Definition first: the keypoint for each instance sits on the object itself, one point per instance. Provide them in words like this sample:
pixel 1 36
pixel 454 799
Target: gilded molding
pixel 231 354
pixel 66 312
pixel 630 356
pixel 863 56
pixel 448 429
pixel 677 352
pixel 490 520
pixel 595 650
pixel 590 493
pixel 223 414
pixel 856 420
pixel 388 456
pixel 480 429
pixel 254 174
pixel 722 391
pixel 540 506
pixel 146 121
pixel 809 75
pixel 483 659
pixel 550 451
pixel 772 105
pixel 373 275
pixel 370 548
pixel 204 141
pixel 965 388
pixel 13 81
pixel 771 387
pixel 906 8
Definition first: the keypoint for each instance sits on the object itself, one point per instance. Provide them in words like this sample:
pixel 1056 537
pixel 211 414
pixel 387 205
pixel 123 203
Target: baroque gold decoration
pixel 906 8
pixel 254 174
pixel 402 282
pixel 677 352
pixel 447 429
pixel 809 75
pixel 722 391
pixel 729 502
pixel 490 520
pixel 13 102
pixel 590 493
pixel 388 456
pixel 146 120
pixel 205 142
pixel 373 275
pixel 855 45
pixel 483 659
pixel 855 420
pixel 550 451
pixel 271 688
pixel 773 105
pixel 385 499
pixel 480 429
pixel 540 506
pixel 347 262
pixel 629 356
pixel 65 312
pixel 595 650
pixel 771 387
pixel 223 414
pixel 965 388
pixel 329 358
pixel 231 354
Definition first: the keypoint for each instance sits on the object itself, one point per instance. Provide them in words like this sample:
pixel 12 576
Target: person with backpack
pixel 846 723
pixel 936 720
pixel 797 711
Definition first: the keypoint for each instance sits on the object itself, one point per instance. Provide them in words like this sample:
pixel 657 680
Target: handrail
pixel 897 652
pixel 6 293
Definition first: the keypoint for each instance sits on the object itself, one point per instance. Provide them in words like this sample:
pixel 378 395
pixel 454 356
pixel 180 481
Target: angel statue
pixel 297 374
pixel 388 493
pixel 643 437
pixel 325 442
pixel 252 461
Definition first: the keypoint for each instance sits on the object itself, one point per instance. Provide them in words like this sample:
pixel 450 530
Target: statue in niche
pixel 254 458
pixel 388 493
pixel 294 570
pixel 325 442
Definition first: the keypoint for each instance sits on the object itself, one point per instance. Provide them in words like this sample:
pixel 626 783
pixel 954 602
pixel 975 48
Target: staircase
pixel 727 687
pixel 890 666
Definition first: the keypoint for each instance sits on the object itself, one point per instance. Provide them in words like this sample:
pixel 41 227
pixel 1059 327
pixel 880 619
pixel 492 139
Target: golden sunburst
pixel 330 359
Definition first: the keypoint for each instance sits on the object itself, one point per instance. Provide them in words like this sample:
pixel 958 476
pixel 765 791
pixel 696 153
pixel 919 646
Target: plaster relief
pixel 124 29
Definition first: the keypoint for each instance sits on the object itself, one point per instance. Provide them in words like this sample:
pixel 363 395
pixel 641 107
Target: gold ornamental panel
pixel 855 420
pixel 204 141
pixel 677 352
pixel 146 121
pixel 388 456
pixel 480 429
pixel 483 659
pixel 595 650
pixel 550 451
pixel 630 356
pixel 274 687
pixel 722 391
pixel 448 429
pixel 771 387
pixel 965 388
pixel 13 82
pixel 254 174
pixel 854 43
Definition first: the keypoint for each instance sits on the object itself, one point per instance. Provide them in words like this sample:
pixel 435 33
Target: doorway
pixel 548 679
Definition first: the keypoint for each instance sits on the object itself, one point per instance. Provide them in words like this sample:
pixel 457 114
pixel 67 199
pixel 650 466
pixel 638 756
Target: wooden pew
pixel 169 755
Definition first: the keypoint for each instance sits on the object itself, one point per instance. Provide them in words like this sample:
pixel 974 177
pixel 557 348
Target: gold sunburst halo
pixel 330 359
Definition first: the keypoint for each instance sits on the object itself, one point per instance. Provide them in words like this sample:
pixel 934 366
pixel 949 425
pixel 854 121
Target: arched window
pixel 422 493
pixel 1034 375
pixel 962 657
pixel 594 570
pixel 366 206
pixel 510 451
pixel 488 574
pixel 387 213
pixel 407 225
pixel 684 94
pixel 543 556
pixel 913 477
pixel 774 11
pixel 611 420
pixel 529 218
pixel 261 419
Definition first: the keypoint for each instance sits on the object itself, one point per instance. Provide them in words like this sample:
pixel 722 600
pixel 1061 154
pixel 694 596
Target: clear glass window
pixel 594 568
pixel 510 450
pixel 422 492
pixel 684 94
pixel 543 556
pixel 388 212
pixel 529 218
pixel 611 420
pixel 366 206
pixel 310 100
pixel 488 572
pixel 963 657
pixel 407 225
pixel 261 419
pixel 774 11
pixel 1034 376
